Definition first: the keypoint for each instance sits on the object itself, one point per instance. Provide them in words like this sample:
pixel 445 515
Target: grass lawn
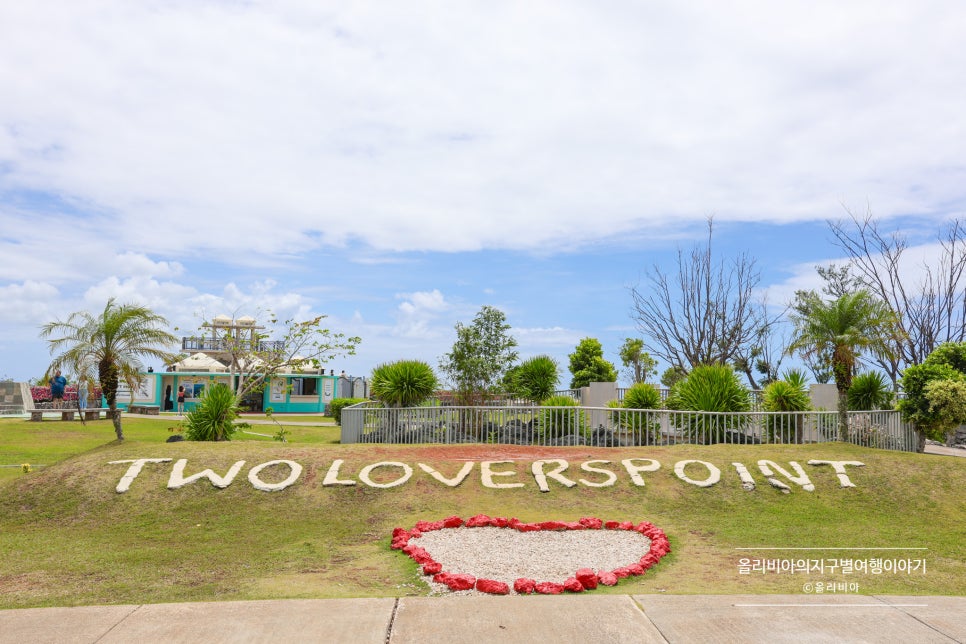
pixel 67 538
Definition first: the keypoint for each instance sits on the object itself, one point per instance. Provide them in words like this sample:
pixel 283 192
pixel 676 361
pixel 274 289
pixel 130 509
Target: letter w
pixel 178 479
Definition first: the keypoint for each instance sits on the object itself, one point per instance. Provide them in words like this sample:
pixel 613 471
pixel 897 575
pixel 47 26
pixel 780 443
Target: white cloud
pixel 131 263
pixel 272 129
pixel 547 337
pixel 416 316
pixel 27 303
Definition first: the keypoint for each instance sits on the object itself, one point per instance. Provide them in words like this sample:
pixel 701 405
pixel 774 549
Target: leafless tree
pixel 706 313
pixel 928 311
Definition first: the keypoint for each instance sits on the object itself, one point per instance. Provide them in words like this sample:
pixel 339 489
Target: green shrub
pixel 785 396
pixel 337 405
pixel 213 418
pixel 639 428
pixel 949 353
pixel 713 388
pixel 535 378
pixel 916 407
pixel 642 395
pixel 566 423
pixel 404 383
pixel 869 391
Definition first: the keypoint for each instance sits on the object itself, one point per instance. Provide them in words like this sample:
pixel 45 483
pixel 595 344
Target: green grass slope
pixel 68 538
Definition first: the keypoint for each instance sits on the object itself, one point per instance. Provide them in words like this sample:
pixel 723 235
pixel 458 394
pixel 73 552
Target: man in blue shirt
pixel 57 385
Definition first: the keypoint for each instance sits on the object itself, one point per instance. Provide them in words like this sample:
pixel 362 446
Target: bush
pixel 535 378
pixel 949 353
pixel 338 404
pixel 642 395
pixel 916 407
pixel 785 396
pixel 869 391
pixel 566 426
pixel 213 418
pixel 405 383
pixel 713 388
pixel 639 428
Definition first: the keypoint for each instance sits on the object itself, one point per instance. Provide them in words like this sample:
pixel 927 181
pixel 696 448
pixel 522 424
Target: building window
pixel 305 386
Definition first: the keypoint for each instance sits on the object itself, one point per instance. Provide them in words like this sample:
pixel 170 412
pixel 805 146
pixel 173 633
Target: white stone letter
pixel 259 484
pixel 453 482
pixel 635 470
pixel 587 466
pixel 332 476
pixel 487 474
pixel 177 478
pixel 747 482
pixel 367 470
pixel 801 478
pixel 132 472
pixel 556 474
pixel 839 467
pixel 714 474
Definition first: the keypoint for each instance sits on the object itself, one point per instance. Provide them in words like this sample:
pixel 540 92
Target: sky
pixel 397 166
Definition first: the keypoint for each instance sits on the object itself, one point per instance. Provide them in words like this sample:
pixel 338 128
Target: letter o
pixel 364 474
pixel 714 474
pixel 259 484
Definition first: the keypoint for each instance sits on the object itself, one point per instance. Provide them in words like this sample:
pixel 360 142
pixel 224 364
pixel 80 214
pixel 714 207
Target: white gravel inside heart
pixel 506 555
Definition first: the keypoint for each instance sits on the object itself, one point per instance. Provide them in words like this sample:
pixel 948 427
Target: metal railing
pixel 221 344
pixel 612 427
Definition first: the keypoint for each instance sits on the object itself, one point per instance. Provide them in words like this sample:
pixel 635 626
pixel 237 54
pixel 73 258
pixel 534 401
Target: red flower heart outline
pixel 583 579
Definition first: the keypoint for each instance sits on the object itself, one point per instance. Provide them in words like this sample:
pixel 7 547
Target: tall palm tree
pixel 842 328
pixel 115 341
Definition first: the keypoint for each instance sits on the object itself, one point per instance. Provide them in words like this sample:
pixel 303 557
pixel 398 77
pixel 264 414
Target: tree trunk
pixel 107 373
pixel 843 414
pixel 116 419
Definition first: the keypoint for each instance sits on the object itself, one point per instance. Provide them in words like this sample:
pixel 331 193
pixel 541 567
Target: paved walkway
pixel 639 619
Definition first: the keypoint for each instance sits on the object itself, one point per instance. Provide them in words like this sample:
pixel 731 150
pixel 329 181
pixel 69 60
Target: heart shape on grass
pixel 488 554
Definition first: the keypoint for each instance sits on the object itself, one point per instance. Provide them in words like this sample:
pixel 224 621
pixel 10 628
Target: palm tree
pixel 115 341
pixel 842 328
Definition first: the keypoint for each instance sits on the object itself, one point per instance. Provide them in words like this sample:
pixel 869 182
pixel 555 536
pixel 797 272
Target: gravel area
pixel 506 555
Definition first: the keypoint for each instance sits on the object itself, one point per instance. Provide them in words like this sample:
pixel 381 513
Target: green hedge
pixel 338 404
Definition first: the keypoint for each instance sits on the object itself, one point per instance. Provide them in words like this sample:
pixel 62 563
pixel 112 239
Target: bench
pixel 148 410
pixel 37 415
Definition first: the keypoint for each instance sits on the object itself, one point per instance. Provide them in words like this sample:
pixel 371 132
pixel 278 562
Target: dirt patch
pixel 476 452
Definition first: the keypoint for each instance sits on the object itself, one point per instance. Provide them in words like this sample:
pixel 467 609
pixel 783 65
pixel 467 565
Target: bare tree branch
pixel 704 314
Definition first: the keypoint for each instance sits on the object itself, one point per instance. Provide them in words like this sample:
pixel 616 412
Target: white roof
pixel 200 362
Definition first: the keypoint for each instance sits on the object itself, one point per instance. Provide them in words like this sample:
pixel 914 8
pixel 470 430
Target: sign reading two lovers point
pixel 541 475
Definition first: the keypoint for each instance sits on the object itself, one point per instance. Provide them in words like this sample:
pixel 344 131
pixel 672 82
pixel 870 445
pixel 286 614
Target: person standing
pixel 57 385
pixel 180 399
pixel 82 393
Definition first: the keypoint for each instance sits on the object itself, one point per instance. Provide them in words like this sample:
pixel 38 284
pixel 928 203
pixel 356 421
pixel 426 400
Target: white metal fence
pixel 604 426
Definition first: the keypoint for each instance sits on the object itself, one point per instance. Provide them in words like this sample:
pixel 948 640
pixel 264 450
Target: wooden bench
pixel 148 410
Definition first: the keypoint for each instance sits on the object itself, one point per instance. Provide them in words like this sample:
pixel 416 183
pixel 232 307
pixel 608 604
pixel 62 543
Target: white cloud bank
pixel 225 127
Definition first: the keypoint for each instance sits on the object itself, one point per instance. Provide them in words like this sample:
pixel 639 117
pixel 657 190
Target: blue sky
pixel 396 167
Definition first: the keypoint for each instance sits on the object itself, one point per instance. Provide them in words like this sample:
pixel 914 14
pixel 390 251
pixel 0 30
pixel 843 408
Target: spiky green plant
pixel 710 388
pixel 642 395
pixel 214 416
pixel 785 396
pixel 535 378
pixel 404 383
pixel 640 427
pixel 869 391
pixel 561 418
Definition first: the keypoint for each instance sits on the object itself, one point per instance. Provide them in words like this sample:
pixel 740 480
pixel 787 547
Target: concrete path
pixel 478 619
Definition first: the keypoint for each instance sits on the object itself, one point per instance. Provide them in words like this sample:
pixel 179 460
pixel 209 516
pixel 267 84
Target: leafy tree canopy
pixel 481 355
pixel 587 364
